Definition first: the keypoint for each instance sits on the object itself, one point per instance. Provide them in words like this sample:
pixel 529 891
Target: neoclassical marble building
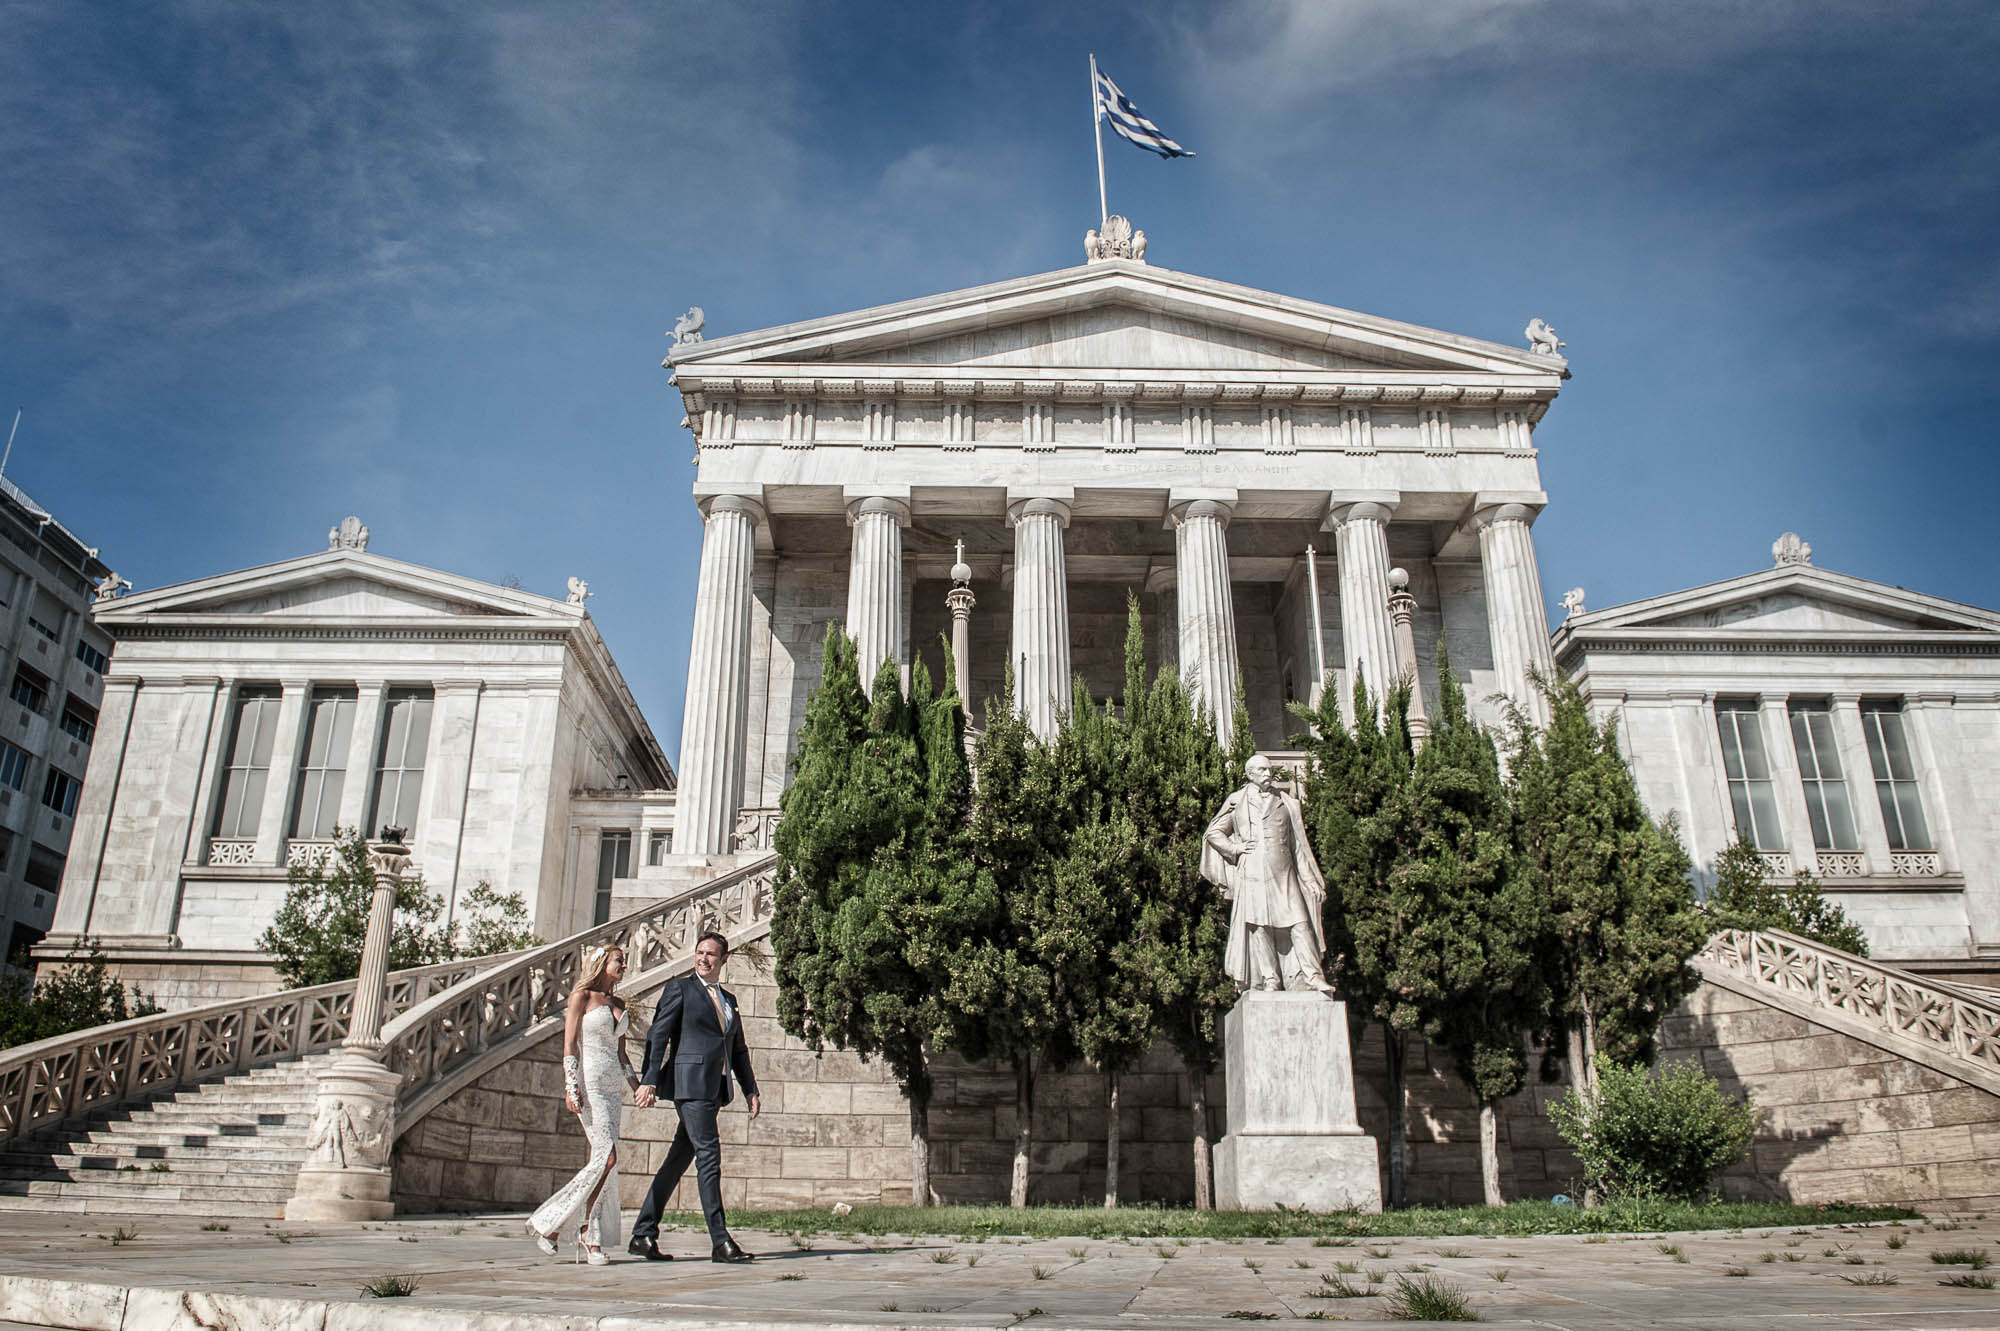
pixel 246 716
pixel 1252 466
pixel 1846 727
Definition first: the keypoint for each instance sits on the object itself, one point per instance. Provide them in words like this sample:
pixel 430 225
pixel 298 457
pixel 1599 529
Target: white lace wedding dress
pixel 602 1109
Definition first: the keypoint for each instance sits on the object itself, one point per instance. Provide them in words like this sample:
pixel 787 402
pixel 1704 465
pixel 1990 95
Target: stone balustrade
pixel 1943 1021
pixel 44 1083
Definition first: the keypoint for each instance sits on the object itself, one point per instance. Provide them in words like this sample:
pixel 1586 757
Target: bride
pixel 594 1064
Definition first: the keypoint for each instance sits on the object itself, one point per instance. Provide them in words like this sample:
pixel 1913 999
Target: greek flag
pixel 1129 124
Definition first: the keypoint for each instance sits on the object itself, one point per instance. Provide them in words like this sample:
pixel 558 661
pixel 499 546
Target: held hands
pixel 645 1097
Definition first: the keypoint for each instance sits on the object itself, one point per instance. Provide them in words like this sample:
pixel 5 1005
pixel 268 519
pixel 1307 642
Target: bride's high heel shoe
pixel 543 1241
pixel 587 1251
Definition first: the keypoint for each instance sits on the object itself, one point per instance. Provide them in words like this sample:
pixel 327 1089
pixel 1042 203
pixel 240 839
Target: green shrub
pixel 1742 899
pixel 1665 1134
pixel 75 996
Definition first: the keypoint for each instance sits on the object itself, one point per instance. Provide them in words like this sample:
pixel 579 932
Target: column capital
pixel 1188 510
pixel 1493 507
pixel 444 687
pixel 735 502
pixel 1030 506
pixel 891 505
pixel 1345 506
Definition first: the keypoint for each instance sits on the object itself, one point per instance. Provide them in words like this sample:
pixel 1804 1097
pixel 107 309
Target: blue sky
pixel 265 265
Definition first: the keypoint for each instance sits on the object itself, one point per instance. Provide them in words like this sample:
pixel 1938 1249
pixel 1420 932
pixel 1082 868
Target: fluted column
pixel 1039 651
pixel 1207 613
pixel 875 582
pixel 718 683
pixel 1361 531
pixel 1516 617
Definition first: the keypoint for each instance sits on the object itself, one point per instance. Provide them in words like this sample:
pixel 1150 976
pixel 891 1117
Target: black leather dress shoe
pixel 727 1251
pixel 648 1248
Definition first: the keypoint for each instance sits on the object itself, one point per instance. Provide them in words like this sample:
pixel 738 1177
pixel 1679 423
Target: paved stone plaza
pixel 481 1272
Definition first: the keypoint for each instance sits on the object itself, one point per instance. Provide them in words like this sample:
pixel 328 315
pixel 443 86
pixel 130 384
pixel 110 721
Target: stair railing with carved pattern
pixel 439 1044
pixel 1945 1026
pixel 66 1076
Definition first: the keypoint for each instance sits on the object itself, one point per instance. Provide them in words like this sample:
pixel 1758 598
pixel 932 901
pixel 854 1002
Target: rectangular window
pixel 79 720
pixel 399 766
pixel 614 860
pixel 45 868
pixel 59 791
pixel 1749 772
pixel 1827 806
pixel 658 847
pixel 323 763
pixel 93 660
pixel 43 629
pixel 249 770
pixel 13 766
pixel 31 690
pixel 1895 776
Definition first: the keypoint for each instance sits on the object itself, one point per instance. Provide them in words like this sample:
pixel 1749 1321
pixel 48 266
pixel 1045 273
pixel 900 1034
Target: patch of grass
pixel 1427 1299
pixel 1335 1287
pixel 1378 1252
pixel 1449 1252
pixel 1253 1265
pixel 944 1258
pixel 1348 1268
pixel 1302 1264
pixel 1738 1271
pixel 1673 1250
pixel 1078 1253
pixel 971 1260
pixel 886 1307
pixel 390 1287
pixel 1332 1241
pixel 1040 1272
pixel 121 1235
pixel 1499 1274
pixel 1767 1257
pixel 215 1227
pixel 1945 1226
pixel 1793 1256
pixel 1966 1280
pixel 1165 1222
pixel 1249 1315
pixel 791 1275
pixel 1376 1275
pixel 1854 1259
pixel 1975 1258
pixel 1873 1278
pixel 1895 1241
pixel 1597 1238
pixel 456 1230
pixel 1022 1317
pixel 160 1167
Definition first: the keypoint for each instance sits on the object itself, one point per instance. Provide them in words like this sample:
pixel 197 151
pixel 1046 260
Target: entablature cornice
pixel 1014 383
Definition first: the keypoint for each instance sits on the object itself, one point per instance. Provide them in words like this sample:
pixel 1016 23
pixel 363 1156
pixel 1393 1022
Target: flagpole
pixel 1097 127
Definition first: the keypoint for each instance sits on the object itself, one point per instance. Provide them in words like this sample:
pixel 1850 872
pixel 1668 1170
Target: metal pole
pixel 1097 127
pixel 1319 630
pixel 17 411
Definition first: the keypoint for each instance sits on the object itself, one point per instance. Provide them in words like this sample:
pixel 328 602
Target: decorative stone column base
pixel 1294 1140
pixel 346 1175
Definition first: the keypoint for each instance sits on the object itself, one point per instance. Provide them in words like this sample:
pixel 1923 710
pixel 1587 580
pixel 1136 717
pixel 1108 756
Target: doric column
pixel 1368 636
pixel 875 581
pixel 91 834
pixel 1516 617
pixel 960 600
pixel 371 697
pixel 718 682
pixel 1163 585
pixel 1207 614
pixel 1039 651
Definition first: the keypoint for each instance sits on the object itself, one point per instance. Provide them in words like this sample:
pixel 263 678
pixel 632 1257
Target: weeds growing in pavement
pixel 1334 1287
pixel 1895 1241
pixel 1427 1299
pixel 1966 1280
pixel 1873 1278
pixel 945 1258
pixel 1975 1258
pixel 215 1227
pixel 390 1287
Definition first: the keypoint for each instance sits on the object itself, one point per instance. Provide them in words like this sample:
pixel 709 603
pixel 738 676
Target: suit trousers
pixel 696 1141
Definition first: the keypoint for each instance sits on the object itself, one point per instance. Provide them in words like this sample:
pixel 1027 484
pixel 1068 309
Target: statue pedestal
pixel 346 1175
pixel 1294 1140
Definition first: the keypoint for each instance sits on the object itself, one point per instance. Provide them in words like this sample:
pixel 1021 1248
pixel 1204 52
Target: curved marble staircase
pixel 210 1111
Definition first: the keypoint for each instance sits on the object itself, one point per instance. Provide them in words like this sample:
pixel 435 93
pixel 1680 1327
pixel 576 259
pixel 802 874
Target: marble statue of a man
pixel 1256 851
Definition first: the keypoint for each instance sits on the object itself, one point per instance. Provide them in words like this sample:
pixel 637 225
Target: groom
pixel 697 1033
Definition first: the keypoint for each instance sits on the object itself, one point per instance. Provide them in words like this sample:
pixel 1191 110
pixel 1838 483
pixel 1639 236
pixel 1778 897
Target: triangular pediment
pixel 1795 599
pixel 337 585
pixel 1115 314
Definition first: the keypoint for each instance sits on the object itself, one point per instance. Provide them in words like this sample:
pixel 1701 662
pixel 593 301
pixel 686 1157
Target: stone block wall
pixel 1844 1121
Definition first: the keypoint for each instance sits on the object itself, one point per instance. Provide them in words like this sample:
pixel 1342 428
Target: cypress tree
pixel 1614 889
pixel 1743 898
pixel 869 856
pixel 1177 775
pixel 1357 814
pixel 1486 996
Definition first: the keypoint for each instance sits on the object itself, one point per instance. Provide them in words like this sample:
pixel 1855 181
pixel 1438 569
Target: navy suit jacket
pixel 686 1038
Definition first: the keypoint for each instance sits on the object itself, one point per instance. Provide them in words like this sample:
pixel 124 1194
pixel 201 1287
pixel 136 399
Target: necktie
pixel 721 1013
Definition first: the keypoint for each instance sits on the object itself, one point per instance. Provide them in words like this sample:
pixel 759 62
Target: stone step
pixel 142 1184
pixel 128 1149
pixel 222 1143
pixel 138 1204
pixel 273 1117
pixel 191 1166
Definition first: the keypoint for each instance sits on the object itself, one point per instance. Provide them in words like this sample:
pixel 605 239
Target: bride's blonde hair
pixel 594 960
